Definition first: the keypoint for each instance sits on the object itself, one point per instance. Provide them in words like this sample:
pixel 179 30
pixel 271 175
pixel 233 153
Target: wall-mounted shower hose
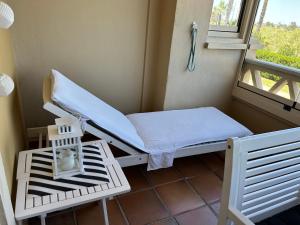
pixel 191 63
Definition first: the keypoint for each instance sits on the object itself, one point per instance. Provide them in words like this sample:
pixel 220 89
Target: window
pixel 276 39
pixel 270 76
pixel 226 15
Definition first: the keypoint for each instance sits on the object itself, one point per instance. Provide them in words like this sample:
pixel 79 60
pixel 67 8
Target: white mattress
pixel 166 131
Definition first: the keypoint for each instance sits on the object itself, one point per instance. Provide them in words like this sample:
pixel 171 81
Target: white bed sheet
pixel 83 104
pixel 166 131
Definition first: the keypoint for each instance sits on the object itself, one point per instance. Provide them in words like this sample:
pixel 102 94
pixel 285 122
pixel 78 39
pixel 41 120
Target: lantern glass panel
pixel 68 159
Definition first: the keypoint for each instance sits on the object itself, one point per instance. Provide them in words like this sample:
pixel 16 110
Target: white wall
pixel 11 126
pixel 132 54
pixel 100 44
pixel 160 31
pixel 211 83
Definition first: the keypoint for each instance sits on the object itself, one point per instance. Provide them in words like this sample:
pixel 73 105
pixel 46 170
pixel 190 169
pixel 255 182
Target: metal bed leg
pixel 43 219
pixel 105 215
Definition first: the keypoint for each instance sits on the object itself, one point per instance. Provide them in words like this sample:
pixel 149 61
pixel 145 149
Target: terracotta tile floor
pixel 186 194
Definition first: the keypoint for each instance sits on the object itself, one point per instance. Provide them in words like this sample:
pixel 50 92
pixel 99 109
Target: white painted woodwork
pixel 262 176
pixel 40 206
pixel 249 88
pixel 228 46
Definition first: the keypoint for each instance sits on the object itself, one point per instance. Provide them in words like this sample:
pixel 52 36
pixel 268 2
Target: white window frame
pixel 222 39
pixel 285 109
pixel 231 29
pixel 216 28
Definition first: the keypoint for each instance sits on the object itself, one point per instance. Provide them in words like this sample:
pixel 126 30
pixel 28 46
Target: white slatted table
pixel 40 206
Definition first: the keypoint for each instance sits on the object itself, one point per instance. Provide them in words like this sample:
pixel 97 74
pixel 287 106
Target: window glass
pixel 226 15
pixel 275 39
pixel 276 32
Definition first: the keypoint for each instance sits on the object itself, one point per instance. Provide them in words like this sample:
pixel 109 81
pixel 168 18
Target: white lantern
pixel 65 137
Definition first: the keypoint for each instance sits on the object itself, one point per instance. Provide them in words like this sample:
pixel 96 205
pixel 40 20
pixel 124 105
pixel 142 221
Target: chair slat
pixel 91 190
pixel 83 191
pixel 274 158
pixel 76 193
pixel 61 196
pixel 271 167
pixel 69 194
pixel 46 199
pixel 114 176
pixel 273 188
pixel 268 197
pixel 272 182
pixel 29 203
pixel 273 209
pixel 53 198
pixel 98 188
pixel 37 201
pixel 273 150
pixel 272 174
pixel 274 201
pixel 269 140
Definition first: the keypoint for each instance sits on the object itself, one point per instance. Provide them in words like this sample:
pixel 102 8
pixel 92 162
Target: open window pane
pixel 276 33
pixel 226 15
pixel 272 63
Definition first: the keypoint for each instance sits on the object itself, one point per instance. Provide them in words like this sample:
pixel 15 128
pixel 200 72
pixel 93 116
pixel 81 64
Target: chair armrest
pixel 237 217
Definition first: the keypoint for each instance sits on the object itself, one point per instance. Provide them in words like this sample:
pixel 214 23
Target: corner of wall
pixel 12 130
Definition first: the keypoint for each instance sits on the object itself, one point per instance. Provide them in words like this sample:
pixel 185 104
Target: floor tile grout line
pixel 190 210
pixel 167 218
pixel 214 172
pixel 205 202
pixel 213 211
pixel 122 211
pixel 185 179
pixel 155 186
pixel 157 195
pixel 195 190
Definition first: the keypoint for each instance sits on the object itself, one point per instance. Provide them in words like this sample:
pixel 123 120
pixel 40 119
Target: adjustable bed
pixel 155 138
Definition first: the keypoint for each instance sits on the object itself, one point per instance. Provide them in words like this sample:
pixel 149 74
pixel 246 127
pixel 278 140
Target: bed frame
pixel 135 156
pixel 262 177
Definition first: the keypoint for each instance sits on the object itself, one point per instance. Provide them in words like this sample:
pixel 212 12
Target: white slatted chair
pixel 262 177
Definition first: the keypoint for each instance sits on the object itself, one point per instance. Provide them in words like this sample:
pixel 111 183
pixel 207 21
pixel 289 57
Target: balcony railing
pixel 284 89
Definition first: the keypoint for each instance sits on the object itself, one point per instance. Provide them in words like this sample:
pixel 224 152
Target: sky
pixel 278 11
pixel 282 11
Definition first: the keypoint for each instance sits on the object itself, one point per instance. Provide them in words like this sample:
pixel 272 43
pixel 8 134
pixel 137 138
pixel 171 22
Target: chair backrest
pixel 262 173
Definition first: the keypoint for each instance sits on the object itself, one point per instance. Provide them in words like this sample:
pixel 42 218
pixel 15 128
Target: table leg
pixel 43 219
pixel 20 222
pixel 105 215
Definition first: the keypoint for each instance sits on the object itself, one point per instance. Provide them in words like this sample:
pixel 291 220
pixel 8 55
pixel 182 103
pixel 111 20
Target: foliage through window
pixel 226 15
pixel 277 30
pixel 276 39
